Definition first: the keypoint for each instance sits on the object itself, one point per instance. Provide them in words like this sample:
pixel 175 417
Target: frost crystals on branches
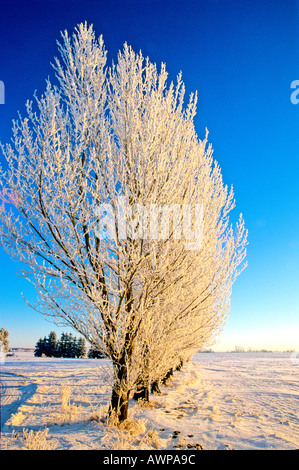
pixel 100 135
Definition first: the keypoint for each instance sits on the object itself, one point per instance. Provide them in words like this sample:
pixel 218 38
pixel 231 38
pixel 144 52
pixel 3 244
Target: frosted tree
pixel 40 347
pixel 4 339
pixel 106 174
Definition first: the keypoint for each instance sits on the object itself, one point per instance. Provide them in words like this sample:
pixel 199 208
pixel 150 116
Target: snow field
pixel 217 401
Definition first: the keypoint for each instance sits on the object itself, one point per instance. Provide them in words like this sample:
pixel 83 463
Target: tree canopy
pixel 107 176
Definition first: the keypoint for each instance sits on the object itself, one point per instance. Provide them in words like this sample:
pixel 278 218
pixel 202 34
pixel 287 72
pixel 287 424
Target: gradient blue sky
pixel 241 57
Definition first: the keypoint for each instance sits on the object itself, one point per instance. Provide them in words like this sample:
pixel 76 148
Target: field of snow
pixel 217 401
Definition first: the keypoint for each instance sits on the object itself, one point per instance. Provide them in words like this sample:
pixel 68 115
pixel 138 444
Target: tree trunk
pixel 167 376
pixel 119 405
pixel 142 386
pixel 155 388
pixel 178 368
pixel 120 394
pixel 142 391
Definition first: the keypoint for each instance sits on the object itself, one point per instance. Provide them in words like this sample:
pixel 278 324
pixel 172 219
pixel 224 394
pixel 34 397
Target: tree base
pixel 119 406
pixel 155 388
pixel 142 393
pixel 167 376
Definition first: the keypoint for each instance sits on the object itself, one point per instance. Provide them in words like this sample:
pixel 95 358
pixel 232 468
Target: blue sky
pixel 241 57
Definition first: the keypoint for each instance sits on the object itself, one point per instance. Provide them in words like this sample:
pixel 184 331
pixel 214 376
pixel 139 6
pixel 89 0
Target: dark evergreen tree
pixel 80 347
pixel 68 346
pixel 70 350
pixel 40 347
pixel 62 345
pixel 94 353
pixel 51 348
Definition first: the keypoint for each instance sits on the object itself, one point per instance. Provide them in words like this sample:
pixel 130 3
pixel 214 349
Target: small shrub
pixel 68 412
pixel 17 418
pixel 38 440
pixel 133 427
pixel 153 440
pixel 99 416
pixel 65 393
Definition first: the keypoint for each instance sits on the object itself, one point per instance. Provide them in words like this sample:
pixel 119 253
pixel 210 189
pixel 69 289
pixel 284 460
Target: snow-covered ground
pixel 217 401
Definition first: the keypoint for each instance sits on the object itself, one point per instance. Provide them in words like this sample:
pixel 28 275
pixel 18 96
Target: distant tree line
pixel 67 346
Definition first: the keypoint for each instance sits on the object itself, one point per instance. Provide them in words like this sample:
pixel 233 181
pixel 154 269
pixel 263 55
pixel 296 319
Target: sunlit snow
pixel 217 401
